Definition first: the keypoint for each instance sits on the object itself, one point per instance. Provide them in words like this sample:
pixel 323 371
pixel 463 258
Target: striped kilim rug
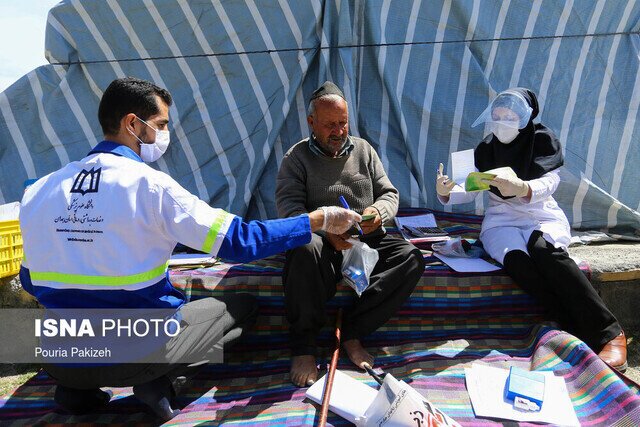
pixel 450 321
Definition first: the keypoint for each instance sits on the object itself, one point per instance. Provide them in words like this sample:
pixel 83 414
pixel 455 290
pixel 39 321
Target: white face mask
pixel 504 133
pixel 150 152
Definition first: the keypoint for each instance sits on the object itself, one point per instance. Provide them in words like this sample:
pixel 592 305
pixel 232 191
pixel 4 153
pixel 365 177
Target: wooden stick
pixel 326 396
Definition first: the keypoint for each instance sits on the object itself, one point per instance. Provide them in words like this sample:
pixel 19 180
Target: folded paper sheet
pixel 350 398
pixel 486 386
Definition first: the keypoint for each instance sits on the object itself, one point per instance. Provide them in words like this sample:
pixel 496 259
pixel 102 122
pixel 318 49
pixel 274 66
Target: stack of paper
pixel 191 260
pixel 486 386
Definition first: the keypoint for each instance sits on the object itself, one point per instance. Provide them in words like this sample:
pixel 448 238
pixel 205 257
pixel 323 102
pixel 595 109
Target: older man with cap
pixel 316 172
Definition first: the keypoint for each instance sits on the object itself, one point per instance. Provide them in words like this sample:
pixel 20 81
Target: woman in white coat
pixel 524 228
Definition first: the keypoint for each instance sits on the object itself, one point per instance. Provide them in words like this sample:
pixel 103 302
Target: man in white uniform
pixel 98 234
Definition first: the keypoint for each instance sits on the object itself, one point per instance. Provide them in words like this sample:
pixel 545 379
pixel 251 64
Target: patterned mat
pixel 450 321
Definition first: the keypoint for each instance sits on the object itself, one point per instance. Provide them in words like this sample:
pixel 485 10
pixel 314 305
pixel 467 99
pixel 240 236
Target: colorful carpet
pixel 450 321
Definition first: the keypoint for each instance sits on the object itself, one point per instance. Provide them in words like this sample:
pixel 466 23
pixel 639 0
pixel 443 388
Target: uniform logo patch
pixel 87 181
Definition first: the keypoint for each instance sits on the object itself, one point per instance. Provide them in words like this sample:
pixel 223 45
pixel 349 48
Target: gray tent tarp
pixel 416 75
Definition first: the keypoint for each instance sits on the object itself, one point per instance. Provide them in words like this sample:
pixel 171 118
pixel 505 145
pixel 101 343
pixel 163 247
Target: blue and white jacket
pixel 99 232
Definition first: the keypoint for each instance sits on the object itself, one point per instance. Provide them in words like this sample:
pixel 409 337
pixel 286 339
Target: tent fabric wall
pixel 416 75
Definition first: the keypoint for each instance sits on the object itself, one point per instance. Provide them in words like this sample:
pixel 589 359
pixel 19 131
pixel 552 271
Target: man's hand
pixel 372 224
pixel 339 241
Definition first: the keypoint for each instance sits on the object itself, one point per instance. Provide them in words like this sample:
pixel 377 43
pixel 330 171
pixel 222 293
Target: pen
pixel 378 377
pixel 345 205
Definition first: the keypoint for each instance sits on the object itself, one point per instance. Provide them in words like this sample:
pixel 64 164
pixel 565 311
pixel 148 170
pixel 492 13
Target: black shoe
pixel 157 395
pixel 79 401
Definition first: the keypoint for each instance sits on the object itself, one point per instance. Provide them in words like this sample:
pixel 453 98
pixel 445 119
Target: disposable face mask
pixel 150 152
pixel 504 133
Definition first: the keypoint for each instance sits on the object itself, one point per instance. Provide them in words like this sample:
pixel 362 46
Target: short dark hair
pixel 129 95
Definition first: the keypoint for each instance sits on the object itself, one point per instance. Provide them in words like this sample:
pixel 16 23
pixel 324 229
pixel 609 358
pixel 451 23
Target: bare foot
pixel 303 370
pixel 358 355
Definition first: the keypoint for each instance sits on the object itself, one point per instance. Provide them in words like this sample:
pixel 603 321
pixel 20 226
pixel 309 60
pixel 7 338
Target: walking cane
pixel 326 396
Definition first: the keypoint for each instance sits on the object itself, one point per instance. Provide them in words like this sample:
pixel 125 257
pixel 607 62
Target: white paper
pixel 399 404
pixel 485 385
pixel 349 398
pixel 467 265
pixel 190 259
pixel 425 220
pixel 462 164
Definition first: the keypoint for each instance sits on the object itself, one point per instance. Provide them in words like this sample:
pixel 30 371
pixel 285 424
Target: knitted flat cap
pixel 327 88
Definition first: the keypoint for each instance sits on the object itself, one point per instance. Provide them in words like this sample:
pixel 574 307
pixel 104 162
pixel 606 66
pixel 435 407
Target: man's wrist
pixel 316 220
pixel 376 209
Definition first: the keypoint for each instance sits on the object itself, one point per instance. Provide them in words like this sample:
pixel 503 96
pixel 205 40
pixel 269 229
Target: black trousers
pixel 553 278
pixel 312 271
pixel 208 326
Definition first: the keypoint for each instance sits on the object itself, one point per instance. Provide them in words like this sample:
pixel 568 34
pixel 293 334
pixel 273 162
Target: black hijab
pixel 534 152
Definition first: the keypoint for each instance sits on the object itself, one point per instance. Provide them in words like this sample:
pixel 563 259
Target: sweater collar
pixel 344 151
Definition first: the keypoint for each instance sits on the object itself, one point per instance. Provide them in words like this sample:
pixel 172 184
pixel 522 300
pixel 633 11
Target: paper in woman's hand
pixel 476 180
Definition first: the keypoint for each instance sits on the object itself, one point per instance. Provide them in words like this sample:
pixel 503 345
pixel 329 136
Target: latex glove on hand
pixel 338 220
pixel 509 187
pixel 443 184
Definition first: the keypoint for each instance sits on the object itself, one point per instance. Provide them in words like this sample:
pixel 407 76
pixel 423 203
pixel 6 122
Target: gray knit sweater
pixel 307 181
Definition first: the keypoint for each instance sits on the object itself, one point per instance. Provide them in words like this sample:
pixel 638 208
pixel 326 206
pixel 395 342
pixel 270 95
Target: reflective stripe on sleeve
pixel 207 246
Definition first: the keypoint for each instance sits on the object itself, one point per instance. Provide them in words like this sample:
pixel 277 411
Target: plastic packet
pixel 357 264
pixel 458 247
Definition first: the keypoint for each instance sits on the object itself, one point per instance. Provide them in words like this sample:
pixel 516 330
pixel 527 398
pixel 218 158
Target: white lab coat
pixel 122 231
pixel 508 224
